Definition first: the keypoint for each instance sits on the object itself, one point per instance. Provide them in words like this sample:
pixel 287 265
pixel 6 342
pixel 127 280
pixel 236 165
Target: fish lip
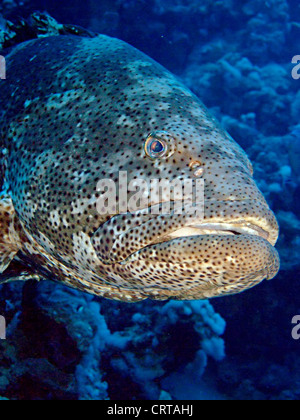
pixel 229 279
pixel 263 225
pixel 238 228
pixel 129 239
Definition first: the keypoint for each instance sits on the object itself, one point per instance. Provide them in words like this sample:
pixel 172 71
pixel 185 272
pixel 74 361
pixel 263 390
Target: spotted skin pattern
pixel 77 110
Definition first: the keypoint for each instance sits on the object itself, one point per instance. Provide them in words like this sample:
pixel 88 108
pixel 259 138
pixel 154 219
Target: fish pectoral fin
pixel 17 271
pixel 9 239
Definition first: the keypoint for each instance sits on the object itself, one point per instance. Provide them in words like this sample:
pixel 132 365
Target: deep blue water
pixel 236 56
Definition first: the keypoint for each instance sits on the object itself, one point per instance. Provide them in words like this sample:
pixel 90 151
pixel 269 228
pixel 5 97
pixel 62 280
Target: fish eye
pixel 159 145
pixel 155 148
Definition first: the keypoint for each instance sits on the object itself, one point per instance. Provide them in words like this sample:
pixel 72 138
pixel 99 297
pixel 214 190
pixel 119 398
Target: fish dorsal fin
pixel 9 239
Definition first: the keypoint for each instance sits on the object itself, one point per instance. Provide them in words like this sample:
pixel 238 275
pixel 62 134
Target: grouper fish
pixel 76 110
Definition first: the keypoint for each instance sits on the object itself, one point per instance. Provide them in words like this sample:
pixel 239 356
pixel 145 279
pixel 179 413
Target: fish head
pixel 129 181
pixel 201 228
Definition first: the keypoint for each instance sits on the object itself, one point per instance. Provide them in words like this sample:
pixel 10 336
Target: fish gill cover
pixel 63 344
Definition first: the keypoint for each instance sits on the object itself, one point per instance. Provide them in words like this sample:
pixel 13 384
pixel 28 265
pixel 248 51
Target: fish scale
pixel 78 110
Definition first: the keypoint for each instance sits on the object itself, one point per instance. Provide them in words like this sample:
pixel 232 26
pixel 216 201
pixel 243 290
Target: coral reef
pixel 236 56
pixel 64 344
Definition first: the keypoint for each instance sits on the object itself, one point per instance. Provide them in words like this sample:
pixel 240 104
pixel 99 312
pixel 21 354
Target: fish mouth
pixel 126 234
pixel 243 237
pixel 204 266
pixel 216 229
pixel 184 258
